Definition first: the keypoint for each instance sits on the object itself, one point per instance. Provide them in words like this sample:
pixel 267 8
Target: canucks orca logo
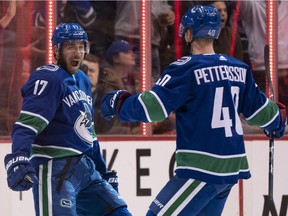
pixel 87 117
pixel 83 125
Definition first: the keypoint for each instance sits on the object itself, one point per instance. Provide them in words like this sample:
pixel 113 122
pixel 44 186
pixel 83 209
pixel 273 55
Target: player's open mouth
pixel 74 63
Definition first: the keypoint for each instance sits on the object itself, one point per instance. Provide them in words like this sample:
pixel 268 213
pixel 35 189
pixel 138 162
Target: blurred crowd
pixel 113 28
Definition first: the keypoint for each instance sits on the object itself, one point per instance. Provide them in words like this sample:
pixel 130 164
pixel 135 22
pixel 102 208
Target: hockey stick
pixel 28 179
pixel 271 139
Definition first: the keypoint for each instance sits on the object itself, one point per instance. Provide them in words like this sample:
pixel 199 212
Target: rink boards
pixel 144 166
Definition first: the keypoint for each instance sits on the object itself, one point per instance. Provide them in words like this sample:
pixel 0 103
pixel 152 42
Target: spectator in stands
pixel 7 13
pixel 127 27
pixel 253 18
pixel 5 20
pixel 91 66
pixel 228 42
pixel 15 15
pixel 96 18
pixel 81 11
pixel 103 35
pixel 119 72
pixel 120 68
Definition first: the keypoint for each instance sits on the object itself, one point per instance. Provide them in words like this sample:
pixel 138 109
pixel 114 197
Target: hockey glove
pixel 20 173
pixel 111 103
pixel 279 132
pixel 112 178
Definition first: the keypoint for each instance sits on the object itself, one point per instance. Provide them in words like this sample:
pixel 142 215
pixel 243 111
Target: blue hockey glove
pixel 279 132
pixel 20 173
pixel 112 178
pixel 112 102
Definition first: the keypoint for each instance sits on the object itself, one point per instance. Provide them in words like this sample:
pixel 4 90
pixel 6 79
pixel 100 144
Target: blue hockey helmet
pixel 68 32
pixel 203 20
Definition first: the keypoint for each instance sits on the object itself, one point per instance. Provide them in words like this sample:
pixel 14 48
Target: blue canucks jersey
pixel 56 117
pixel 207 94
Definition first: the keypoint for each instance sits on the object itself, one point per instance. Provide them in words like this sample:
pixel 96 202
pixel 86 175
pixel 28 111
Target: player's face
pixel 72 55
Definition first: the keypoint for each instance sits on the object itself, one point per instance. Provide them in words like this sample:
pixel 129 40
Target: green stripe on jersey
pixel 152 106
pixel 186 193
pixel 94 135
pixel 53 152
pixel 264 115
pixel 212 164
pixel 44 197
pixel 33 121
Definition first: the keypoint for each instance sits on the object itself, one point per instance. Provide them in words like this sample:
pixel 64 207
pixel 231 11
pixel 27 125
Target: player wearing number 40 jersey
pixel 207 92
pixel 54 146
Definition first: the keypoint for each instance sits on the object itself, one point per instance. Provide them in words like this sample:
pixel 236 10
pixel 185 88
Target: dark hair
pixel 92 58
pixel 212 2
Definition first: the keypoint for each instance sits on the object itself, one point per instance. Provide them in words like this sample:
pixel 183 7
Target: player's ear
pixel 56 52
pixel 188 35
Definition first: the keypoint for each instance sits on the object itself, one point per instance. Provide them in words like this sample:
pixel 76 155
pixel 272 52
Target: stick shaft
pixel 271 167
pixel 271 139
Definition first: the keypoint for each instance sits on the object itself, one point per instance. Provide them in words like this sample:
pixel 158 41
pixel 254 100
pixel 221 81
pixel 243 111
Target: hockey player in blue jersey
pixel 207 92
pixel 54 146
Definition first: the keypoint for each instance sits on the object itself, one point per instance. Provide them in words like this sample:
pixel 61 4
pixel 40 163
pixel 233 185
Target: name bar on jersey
pixel 219 73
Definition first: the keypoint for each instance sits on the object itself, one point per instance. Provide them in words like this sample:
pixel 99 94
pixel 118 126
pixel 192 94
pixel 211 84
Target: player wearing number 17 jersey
pixel 207 92
pixel 54 147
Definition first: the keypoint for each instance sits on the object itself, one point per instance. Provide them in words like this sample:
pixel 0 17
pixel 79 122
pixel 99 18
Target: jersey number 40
pixel 221 115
